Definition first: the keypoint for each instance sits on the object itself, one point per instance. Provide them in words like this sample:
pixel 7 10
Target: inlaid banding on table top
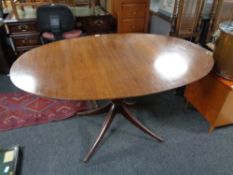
pixel 112 66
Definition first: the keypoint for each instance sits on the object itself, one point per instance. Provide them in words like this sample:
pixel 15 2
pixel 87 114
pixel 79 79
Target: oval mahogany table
pixel 111 67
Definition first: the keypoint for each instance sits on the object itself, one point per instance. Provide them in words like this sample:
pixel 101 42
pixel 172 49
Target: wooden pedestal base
pixel 116 106
pixel 212 96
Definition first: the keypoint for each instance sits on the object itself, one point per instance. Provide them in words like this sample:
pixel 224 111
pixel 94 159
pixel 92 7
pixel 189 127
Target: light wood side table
pixel 212 96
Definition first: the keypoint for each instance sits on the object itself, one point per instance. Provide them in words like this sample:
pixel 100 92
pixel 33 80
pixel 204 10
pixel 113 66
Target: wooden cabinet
pixel 24 35
pixel 97 24
pixel 132 15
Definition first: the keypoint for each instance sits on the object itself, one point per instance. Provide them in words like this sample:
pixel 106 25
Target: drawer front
pixel 134 10
pixel 28 40
pixel 21 50
pixel 22 27
pixel 97 25
pixel 135 25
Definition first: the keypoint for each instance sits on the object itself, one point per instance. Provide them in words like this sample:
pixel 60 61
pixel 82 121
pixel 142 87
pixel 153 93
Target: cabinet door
pixel 133 16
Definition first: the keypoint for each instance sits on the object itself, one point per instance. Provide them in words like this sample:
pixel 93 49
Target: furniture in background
pixel 223 52
pixel 186 19
pixel 36 3
pixel 196 19
pixel 24 35
pixel 222 10
pixel 212 96
pixel 18 4
pixel 131 15
pixel 183 18
pixel 205 20
pixel 162 60
pixel 56 22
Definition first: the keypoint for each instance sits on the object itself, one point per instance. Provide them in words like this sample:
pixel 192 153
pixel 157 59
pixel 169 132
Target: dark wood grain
pixel 112 66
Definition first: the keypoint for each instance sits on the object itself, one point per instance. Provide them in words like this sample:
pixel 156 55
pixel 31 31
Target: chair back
pixel 55 18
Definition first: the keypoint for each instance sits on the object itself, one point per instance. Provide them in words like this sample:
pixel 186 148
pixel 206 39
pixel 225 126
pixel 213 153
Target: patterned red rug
pixel 22 109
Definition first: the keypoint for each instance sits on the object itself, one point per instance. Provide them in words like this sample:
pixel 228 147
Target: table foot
pixel 211 129
pixel 117 106
pixel 138 124
pixel 106 124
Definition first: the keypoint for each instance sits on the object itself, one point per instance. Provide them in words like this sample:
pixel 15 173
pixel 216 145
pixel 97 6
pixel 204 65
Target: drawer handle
pixel 98 22
pixel 133 27
pixel 23 28
pixel 23 41
pixel 32 41
pixel 134 13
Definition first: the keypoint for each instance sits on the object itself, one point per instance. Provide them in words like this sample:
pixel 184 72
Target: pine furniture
pixel 131 15
pixel 212 96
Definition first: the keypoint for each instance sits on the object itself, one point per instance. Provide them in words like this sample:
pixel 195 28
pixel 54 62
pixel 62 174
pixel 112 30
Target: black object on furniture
pixel 56 22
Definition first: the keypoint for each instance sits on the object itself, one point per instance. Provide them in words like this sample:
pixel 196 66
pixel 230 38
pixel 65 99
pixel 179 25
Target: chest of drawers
pixel 23 35
pixel 131 15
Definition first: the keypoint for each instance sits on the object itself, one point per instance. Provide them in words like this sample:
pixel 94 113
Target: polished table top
pixel 112 66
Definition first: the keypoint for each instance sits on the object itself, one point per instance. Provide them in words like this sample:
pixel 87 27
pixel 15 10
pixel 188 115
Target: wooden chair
pixel 222 10
pixel 187 18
